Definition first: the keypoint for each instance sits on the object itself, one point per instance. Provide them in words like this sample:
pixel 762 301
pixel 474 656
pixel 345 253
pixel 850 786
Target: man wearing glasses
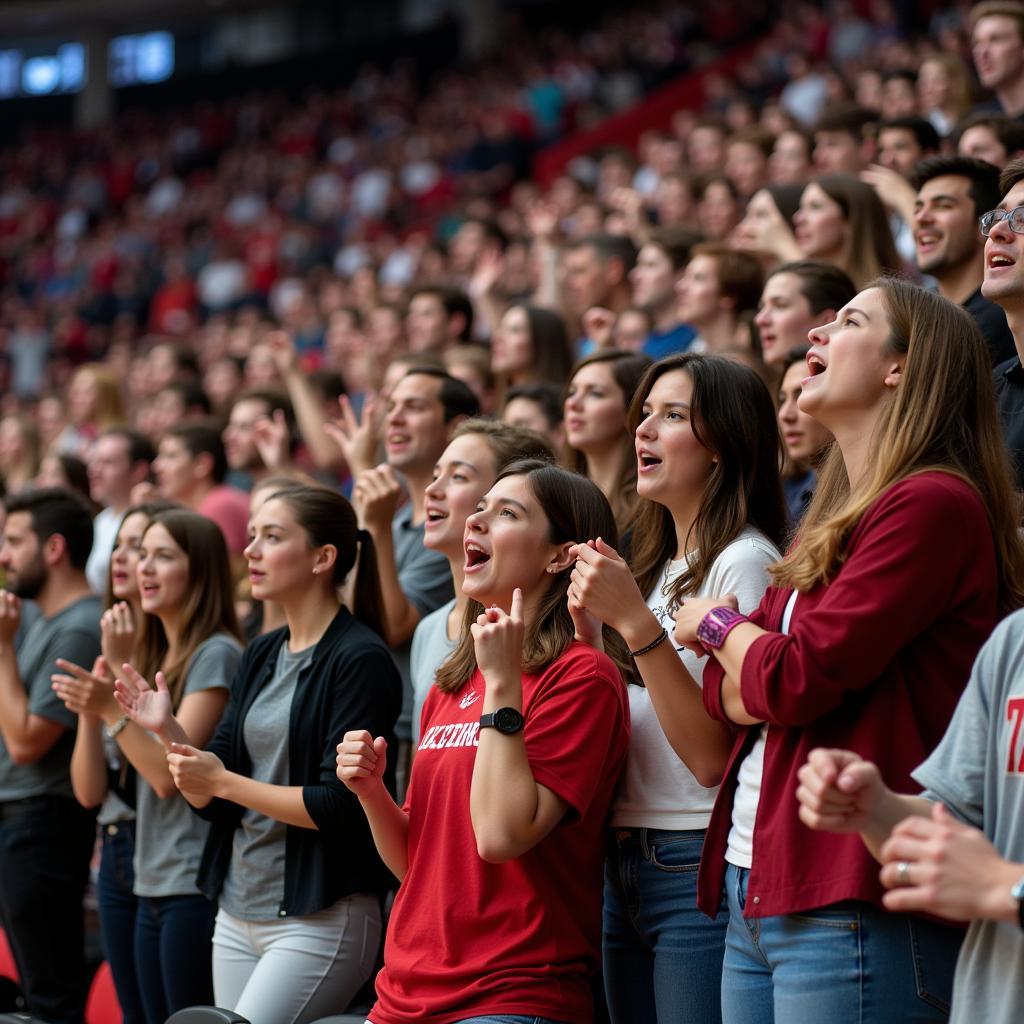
pixel 1003 229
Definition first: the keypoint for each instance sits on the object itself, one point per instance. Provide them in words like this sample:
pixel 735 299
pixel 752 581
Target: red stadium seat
pixel 8 968
pixel 102 1006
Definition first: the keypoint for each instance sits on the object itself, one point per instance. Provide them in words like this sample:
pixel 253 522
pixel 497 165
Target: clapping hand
pixel 90 694
pixel 197 773
pixel 10 616
pixel 149 708
pixel 117 633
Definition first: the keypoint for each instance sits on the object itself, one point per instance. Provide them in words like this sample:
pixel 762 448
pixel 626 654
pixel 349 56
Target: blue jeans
pixel 662 956
pixel 847 963
pixel 117 905
pixel 173 953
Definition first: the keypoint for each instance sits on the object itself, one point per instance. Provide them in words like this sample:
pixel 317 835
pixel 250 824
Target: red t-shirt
pixel 468 938
pixel 228 507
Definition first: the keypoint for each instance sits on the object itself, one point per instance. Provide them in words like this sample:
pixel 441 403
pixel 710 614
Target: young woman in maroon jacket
pixel 908 555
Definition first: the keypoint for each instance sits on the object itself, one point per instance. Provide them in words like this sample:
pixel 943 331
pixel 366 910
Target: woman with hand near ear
pixel 289 857
pixel 500 843
pixel 710 520
pixel 905 559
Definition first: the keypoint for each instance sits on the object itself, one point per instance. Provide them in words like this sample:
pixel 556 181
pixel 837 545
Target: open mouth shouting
pixel 815 364
pixel 476 557
pixel 646 461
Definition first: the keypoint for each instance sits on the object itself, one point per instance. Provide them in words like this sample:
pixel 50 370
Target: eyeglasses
pixel 1014 217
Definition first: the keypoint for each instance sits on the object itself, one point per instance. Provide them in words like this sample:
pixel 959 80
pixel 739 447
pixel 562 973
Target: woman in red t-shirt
pixel 905 559
pixel 500 843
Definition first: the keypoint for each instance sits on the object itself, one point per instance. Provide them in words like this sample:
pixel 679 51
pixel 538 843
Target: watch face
pixel 508 720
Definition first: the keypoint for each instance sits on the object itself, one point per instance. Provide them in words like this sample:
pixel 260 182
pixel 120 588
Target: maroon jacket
pixel 873 662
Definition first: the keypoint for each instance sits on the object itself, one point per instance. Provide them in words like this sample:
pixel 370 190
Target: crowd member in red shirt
pixel 500 843
pixel 907 557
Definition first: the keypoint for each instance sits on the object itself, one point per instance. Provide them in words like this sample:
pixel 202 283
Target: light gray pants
pixel 295 969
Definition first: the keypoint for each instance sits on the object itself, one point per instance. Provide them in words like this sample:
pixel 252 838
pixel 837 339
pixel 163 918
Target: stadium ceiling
pixel 24 18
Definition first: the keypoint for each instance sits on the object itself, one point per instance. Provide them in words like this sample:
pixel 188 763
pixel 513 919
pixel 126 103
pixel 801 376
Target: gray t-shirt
pixel 430 649
pixel 426 581
pixel 254 886
pixel 169 836
pixel 977 771
pixel 74 634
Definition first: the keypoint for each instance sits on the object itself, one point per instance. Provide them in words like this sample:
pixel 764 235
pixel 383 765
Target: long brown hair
pixel 733 416
pixel 209 605
pixel 942 416
pixel 627 370
pixel 576 510
pixel 869 249
pixel 148 509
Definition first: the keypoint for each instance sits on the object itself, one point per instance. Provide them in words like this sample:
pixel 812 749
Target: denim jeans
pixel 117 905
pixel 173 954
pixel 847 963
pixel 662 956
pixel 45 846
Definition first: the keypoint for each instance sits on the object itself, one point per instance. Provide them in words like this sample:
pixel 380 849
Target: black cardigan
pixel 351 682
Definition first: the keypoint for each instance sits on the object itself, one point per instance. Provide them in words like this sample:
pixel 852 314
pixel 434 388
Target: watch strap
pixel 507 721
pixel 1017 893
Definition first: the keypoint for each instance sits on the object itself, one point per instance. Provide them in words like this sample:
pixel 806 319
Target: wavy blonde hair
pixel 942 416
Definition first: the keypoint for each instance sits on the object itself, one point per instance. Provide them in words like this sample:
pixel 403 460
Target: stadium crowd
pixel 524 600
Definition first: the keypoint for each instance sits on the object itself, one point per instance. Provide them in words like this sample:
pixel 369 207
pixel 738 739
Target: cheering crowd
pixel 461 598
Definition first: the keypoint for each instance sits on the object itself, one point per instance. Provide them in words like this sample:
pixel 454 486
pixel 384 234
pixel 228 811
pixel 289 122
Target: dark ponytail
pixel 328 518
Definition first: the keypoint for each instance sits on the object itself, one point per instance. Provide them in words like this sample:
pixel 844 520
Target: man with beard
pixel 46 837
pixel 952 193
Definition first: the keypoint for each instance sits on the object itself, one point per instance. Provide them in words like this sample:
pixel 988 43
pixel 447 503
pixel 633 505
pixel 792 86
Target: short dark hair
pixel 328 383
pixel 1009 132
pixel 455 395
pixel 492 230
pixel 56 510
pixel 676 243
pixel 1012 173
pixel 983 176
pixel 823 285
pixel 203 437
pixel 140 448
pixel 857 122
pixel 547 396
pixel 191 393
pixel 923 131
pixel 905 74
pixel 608 247
pixel 273 400
pixel 454 300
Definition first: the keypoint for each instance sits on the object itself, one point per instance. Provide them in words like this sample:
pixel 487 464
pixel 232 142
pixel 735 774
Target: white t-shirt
pixel 104 533
pixel 657 790
pixel 740 849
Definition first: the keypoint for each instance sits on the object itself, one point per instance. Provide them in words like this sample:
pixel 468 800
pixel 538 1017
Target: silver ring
pixel 903 873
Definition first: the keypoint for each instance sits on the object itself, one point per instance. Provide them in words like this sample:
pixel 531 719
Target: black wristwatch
pixel 1017 893
pixel 505 720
